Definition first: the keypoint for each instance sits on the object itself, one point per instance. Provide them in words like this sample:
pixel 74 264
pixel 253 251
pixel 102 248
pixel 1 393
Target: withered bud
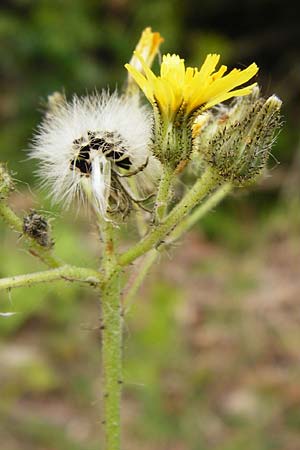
pixel 238 141
pixel 6 183
pixel 55 100
pixel 38 228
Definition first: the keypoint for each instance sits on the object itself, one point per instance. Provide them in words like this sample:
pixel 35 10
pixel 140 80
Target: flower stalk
pixel 200 211
pixel 67 273
pixel 43 253
pixel 163 194
pixel 157 235
pixel 112 359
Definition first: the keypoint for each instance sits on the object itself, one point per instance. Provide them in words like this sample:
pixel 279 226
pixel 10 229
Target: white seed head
pixel 84 144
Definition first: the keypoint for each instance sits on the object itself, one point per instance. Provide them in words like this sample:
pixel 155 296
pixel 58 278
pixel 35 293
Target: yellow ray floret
pixel 191 87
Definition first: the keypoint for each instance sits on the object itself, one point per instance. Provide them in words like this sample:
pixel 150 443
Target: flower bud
pixel 55 101
pixel 148 48
pixel 6 183
pixel 238 140
pixel 172 141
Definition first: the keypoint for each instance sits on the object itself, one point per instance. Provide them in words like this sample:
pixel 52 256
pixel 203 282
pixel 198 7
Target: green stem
pixel 199 212
pixel 45 254
pixel 163 194
pixel 200 189
pixel 11 218
pixel 111 339
pixel 69 273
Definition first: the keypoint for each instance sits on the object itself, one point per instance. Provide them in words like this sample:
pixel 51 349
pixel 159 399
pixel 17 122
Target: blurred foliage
pixel 211 353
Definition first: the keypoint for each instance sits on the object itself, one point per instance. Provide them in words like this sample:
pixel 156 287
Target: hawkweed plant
pixel 124 158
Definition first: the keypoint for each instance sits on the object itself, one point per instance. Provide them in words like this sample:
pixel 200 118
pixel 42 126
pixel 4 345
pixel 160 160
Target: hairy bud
pixel 238 141
pixel 172 141
pixel 6 183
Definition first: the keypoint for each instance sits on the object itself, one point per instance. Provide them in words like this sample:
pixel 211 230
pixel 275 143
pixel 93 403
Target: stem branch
pixel 200 189
pixel 199 212
pixel 70 273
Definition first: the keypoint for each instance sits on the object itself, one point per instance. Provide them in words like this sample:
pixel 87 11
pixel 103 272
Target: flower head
pixel 85 147
pixel 190 88
pixel 179 94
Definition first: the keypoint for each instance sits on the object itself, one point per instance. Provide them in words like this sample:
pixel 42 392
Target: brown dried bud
pixel 38 228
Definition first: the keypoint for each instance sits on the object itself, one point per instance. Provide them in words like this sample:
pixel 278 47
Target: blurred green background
pixel 212 342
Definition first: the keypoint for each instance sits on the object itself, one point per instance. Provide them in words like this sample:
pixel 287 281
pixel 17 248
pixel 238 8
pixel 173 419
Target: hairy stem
pixel 111 339
pixel 69 273
pixel 156 237
pixel 43 253
pixel 199 212
pixel 163 194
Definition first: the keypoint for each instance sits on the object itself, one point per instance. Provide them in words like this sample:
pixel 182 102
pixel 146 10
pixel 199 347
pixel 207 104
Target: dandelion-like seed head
pixel 89 146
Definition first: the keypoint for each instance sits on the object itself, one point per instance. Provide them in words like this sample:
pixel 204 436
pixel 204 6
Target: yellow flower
pixel 190 88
